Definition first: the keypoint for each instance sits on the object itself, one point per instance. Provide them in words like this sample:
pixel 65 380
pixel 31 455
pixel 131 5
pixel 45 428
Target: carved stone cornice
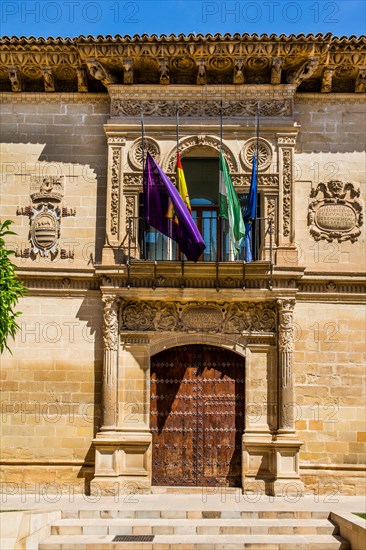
pixel 193 59
pixel 171 316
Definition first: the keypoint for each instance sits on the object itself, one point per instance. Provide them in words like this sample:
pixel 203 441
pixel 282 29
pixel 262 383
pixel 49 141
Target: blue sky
pixel 75 17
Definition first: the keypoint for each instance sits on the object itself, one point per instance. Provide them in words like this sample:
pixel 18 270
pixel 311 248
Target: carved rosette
pixel 198 317
pixel 336 213
pixel 135 153
pixel 264 153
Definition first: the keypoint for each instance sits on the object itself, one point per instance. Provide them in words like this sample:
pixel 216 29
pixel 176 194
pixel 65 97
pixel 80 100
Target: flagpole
pixel 220 218
pixel 177 122
pixel 143 139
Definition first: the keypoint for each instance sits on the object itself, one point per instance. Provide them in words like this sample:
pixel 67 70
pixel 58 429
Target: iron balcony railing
pixel 146 243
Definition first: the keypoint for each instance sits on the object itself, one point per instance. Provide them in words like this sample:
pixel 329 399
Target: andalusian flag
pixel 230 207
pixel 181 184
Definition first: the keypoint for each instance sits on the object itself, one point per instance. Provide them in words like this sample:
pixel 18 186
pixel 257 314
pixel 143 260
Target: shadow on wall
pixel 71 134
pixel 90 314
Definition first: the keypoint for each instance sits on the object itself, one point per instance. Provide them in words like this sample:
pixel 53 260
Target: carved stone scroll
pixel 99 72
pixel 305 71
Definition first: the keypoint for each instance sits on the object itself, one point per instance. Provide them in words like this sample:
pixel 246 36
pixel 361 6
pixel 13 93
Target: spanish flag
pixel 181 184
pixel 182 190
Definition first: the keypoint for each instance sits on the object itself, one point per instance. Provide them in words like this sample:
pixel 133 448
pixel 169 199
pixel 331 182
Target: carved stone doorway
pixel 197 416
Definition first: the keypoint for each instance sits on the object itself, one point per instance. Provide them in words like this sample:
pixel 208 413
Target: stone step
pixel 198 542
pixel 113 526
pixel 192 514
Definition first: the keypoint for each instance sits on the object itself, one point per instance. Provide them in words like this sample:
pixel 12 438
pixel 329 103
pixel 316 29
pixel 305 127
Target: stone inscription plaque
pixel 338 217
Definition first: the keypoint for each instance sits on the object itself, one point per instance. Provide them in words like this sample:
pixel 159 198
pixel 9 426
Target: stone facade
pixel 76 390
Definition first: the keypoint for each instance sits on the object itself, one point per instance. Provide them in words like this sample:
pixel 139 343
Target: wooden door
pixel 197 416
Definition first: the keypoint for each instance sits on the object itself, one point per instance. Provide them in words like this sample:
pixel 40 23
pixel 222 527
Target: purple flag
pixel 166 211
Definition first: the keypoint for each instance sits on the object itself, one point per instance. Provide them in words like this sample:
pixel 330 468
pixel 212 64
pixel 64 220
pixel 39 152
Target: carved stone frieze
pixel 201 108
pixel 335 213
pixel 198 316
pixel 239 180
pixel 135 153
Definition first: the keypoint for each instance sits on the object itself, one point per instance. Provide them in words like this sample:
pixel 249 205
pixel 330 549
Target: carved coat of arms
pixel 336 212
pixel 45 229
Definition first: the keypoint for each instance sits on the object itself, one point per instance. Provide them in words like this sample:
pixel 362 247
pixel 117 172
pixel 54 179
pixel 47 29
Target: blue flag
pixel 166 211
pixel 251 212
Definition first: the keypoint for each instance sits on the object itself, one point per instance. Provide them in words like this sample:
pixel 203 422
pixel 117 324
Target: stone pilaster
pixel 286 424
pixel 286 445
pixel 110 363
pixel 286 249
pixel 115 207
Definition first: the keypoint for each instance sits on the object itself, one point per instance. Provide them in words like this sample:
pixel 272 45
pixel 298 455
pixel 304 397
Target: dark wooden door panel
pixel 197 416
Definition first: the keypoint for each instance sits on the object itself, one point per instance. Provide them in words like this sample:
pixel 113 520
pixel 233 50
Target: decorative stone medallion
pixel 336 213
pixel 264 153
pixel 135 153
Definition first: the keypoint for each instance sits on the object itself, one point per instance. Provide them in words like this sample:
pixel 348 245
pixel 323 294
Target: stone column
pixel 110 363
